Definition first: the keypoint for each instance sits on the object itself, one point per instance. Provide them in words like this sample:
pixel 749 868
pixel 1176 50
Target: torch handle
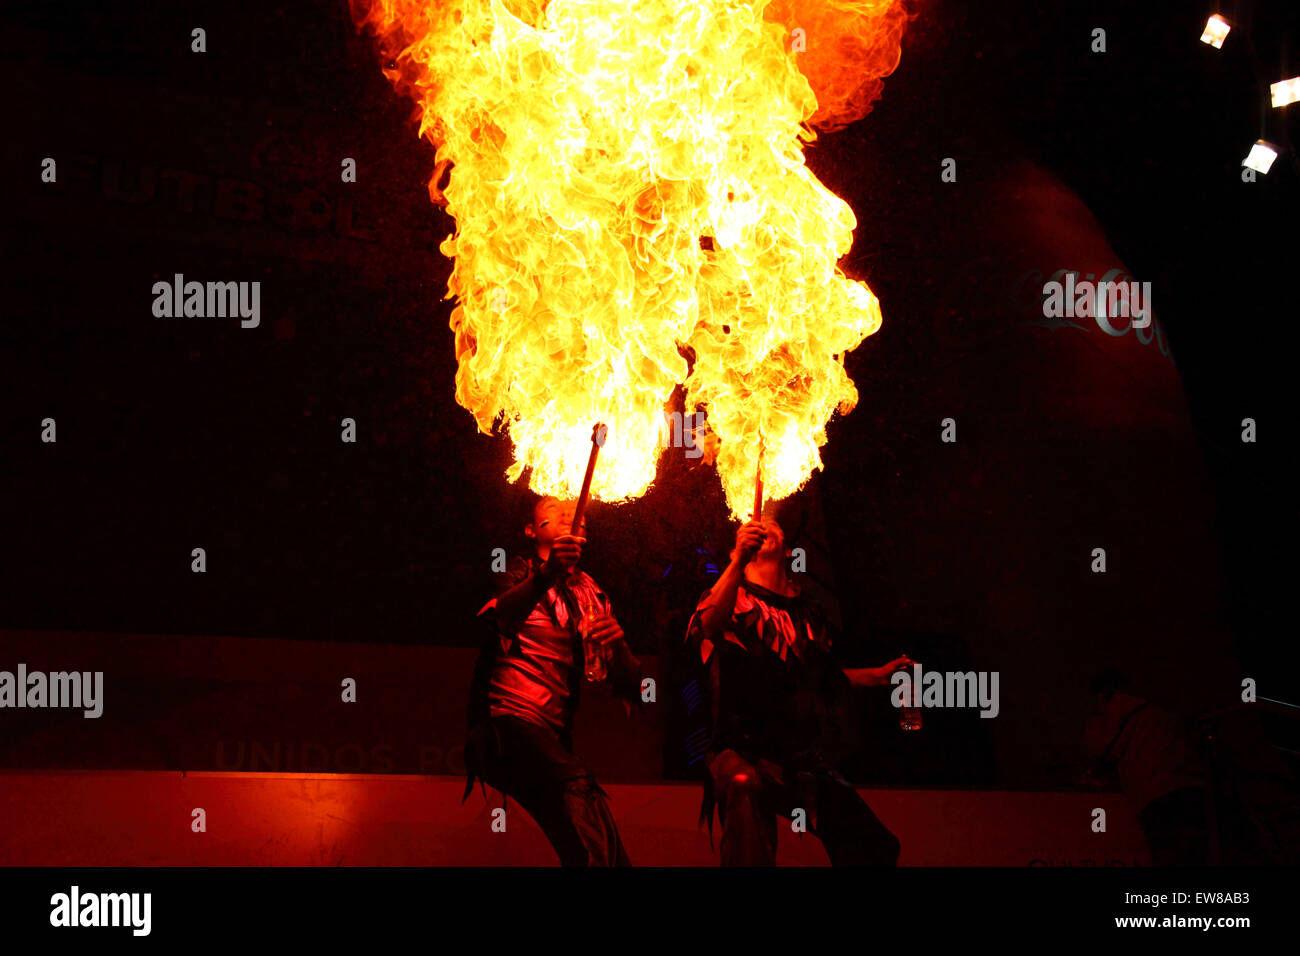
pixel 597 439
pixel 758 484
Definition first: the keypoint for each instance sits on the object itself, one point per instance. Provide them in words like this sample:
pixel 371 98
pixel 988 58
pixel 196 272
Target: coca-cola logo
pixel 1032 289
pixel 968 315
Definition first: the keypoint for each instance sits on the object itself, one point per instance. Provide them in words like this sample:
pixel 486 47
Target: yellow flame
pixel 628 184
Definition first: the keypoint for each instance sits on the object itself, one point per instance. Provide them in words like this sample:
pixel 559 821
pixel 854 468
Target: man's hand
pixel 897 664
pixel 566 552
pixel 624 669
pixel 715 610
pixel 605 630
pixel 749 539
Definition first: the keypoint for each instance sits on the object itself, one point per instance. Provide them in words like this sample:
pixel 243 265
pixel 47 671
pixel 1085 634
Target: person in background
pixel 1162 776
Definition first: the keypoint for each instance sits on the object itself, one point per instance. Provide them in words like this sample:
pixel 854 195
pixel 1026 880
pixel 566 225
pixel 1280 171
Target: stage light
pixel 1261 156
pixel 1216 28
pixel 1287 91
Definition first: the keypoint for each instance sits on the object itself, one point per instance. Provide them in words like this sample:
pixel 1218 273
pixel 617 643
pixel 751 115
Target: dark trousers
pixel 530 764
pixel 750 796
pixel 1177 828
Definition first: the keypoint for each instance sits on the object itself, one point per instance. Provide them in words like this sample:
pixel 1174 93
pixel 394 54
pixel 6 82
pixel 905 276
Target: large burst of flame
pixel 629 190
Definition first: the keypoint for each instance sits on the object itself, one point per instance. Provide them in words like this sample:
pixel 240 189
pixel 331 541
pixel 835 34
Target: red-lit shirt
pixel 532 675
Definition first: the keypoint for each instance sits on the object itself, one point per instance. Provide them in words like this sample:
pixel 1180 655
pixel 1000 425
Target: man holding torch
pixel 774 680
pixel 551 623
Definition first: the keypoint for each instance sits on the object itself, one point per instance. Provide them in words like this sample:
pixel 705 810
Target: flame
pixel 629 191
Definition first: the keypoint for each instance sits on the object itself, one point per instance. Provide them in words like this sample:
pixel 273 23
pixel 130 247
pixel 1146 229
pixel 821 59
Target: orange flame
pixel 629 188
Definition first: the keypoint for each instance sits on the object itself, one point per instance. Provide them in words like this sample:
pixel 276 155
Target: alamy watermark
pixel 84 689
pixel 1085 299
pixel 926 689
pixel 75 908
pixel 208 300
pixel 672 430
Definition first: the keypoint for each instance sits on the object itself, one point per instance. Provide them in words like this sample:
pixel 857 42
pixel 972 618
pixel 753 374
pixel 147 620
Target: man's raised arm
pixel 721 599
pixel 515 603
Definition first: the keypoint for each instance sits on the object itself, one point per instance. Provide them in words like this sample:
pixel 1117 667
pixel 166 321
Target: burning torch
pixel 595 666
pixel 598 433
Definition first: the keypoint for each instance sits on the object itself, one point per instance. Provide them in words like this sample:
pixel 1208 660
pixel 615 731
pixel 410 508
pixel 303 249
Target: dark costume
pixel 773 682
pixel 524 695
